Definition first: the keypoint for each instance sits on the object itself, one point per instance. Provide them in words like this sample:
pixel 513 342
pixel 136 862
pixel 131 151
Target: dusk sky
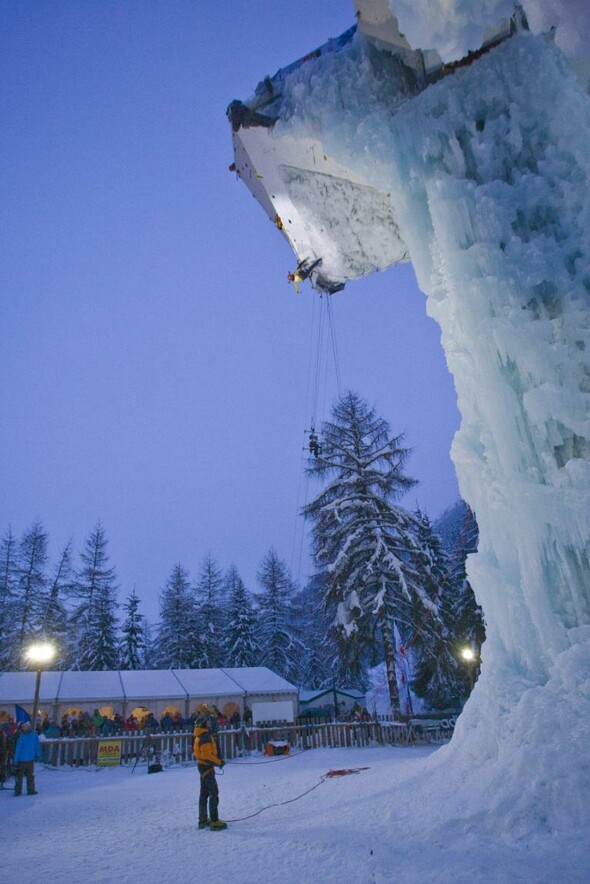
pixel 154 359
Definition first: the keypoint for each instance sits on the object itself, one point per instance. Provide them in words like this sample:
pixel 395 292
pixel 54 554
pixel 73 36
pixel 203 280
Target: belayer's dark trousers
pixel 209 794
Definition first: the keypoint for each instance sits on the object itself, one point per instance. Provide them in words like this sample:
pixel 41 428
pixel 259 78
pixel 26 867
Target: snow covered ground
pixel 111 824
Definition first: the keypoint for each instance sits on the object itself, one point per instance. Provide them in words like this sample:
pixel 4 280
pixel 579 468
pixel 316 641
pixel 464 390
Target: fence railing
pixel 176 748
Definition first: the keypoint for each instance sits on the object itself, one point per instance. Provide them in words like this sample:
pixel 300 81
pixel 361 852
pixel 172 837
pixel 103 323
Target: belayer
pixel 208 756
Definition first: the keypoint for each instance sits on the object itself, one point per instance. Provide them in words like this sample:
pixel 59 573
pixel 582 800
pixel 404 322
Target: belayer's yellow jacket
pixel 205 748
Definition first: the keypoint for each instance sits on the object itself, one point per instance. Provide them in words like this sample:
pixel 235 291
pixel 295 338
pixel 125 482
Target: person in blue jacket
pixel 26 753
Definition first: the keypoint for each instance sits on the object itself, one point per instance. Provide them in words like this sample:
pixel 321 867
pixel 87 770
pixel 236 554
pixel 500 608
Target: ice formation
pixel 482 178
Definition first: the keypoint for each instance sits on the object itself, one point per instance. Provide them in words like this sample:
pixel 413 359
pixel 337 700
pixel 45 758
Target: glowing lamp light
pixel 40 653
pixel 468 655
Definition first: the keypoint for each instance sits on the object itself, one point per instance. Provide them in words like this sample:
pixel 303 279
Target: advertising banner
pixel 109 752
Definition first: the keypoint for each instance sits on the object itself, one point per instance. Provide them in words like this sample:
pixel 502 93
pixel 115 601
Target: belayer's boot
pixel 203 824
pixel 217 825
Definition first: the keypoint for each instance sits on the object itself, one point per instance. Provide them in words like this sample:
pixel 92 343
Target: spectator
pixel 52 731
pixel 26 753
pixel 107 727
pixel 4 740
pixel 130 724
pixel 150 725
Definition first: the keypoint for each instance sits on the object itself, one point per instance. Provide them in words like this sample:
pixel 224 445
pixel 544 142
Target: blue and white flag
pixel 21 714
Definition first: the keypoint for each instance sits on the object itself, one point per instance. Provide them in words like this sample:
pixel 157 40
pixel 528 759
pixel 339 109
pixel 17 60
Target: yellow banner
pixel 109 752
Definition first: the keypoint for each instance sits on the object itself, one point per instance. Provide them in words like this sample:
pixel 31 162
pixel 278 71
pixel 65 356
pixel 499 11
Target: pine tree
pixel 362 539
pixel 8 592
pixel 320 661
pixel 466 615
pixel 96 614
pixel 133 644
pixel 31 594
pixel 57 625
pixel 177 645
pixel 441 677
pixel 280 649
pixel 211 615
pixel 241 645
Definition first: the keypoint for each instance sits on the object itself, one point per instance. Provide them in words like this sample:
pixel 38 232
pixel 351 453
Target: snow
pixel 111 824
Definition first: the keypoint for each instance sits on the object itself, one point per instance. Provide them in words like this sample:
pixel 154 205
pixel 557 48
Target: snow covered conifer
pixel 320 661
pixel 8 589
pixel 57 624
pixel 364 541
pixel 97 611
pixel 212 615
pixel 177 645
pixel 31 587
pixel 280 650
pixel 441 677
pixel 133 643
pixel 241 644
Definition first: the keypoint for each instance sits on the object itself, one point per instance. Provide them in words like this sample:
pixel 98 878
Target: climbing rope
pixel 329 775
pixel 267 760
pixel 334 345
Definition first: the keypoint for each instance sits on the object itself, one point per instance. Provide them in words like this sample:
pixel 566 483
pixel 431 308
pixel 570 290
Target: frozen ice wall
pixel 488 175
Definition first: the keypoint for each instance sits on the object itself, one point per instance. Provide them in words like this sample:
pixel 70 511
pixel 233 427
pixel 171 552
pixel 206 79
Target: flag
pixel 21 714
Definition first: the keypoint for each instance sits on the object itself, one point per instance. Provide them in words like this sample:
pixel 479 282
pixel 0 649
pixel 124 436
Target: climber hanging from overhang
pixel 303 272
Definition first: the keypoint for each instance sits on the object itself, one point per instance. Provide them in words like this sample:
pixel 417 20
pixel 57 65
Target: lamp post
pixel 38 654
pixel 469 656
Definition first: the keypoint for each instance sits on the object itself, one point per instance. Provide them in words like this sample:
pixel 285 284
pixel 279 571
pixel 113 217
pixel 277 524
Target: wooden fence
pixel 176 748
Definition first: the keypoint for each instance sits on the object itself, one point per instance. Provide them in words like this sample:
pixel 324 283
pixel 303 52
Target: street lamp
pixel 469 656
pixel 39 654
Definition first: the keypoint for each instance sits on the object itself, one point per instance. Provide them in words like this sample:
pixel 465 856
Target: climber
pixel 314 446
pixel 302 272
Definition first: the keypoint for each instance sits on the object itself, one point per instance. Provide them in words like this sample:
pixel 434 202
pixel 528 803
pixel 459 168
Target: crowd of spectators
pixel 10 731
pixel 83 724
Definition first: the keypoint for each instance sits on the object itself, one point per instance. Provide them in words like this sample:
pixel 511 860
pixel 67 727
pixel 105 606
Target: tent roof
pixel 89 686
pixel 151 684
pixel 260 680
pixel 19 687
pixel 207 683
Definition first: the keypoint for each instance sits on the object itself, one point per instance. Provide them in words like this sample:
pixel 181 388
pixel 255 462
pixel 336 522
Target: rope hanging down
pixel 323 349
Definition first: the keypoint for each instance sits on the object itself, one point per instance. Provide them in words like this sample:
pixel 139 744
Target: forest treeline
pixel 389 587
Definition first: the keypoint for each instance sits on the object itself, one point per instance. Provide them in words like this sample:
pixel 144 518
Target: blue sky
pixel 154 361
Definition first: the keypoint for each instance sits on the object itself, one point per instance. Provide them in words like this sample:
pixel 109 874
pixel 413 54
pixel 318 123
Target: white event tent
pixel 268 695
